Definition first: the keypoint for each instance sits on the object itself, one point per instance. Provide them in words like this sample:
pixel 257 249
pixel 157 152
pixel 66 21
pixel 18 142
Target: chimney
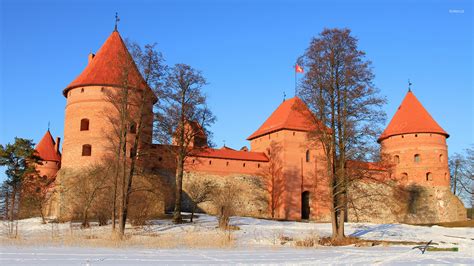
pixel 90 57
pixel 56 145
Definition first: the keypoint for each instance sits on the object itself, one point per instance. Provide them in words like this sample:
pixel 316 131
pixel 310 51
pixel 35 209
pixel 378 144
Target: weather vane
pixel 284 96
pixel 48 125
pixel 117 19
pixel 409 85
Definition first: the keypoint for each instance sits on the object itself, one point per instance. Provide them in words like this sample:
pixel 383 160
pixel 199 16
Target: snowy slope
pixel 258 241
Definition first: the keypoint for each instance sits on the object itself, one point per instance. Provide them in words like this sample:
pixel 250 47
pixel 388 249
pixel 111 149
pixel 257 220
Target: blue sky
pixel 245 49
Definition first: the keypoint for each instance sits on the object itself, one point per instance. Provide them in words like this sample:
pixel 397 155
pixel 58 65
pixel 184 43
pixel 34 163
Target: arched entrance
pixel 305 209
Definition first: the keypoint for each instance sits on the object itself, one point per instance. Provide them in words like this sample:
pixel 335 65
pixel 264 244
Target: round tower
pixel 91 112
pixel 416 146
pixel 48 151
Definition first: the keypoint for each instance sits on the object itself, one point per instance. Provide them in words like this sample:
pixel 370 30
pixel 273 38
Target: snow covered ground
pixel 257 242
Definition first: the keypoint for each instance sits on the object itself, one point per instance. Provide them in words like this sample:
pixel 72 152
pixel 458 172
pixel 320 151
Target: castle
pixel 413 141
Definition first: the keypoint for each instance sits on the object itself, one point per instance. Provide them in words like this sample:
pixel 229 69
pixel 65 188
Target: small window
pixel 307 156
pixel 133 128
pixel 82 90
pixel 441 158
pixel 396 159
pixel 294 133
pixel 417 158
pixel 227 164
pixel 244 165
pixel 194 160
pixel 210 162
pixel 269 136
pixel 445 176
pixel 429 176
pixel 404 177
pixel 86 150
pixel 416 135
pixel 258 165
pixel 403 136
pixel 102 89
pixel 84 124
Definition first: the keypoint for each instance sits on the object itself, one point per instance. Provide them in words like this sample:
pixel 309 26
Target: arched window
pixel 86 150
pixel 307 155
pixel 404 177
pixel 84 124
pixel 417 158
pixel 396 159
pixel 441 158
pixel 133 128
pixel 429 176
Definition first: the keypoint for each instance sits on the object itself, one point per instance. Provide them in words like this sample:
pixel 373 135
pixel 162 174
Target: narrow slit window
pixel 417 158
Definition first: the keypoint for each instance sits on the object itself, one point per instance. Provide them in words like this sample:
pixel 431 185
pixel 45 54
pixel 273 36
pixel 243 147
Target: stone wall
pixel 390 203
pixel 249 198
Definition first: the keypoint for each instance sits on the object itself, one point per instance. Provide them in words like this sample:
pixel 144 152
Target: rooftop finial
pixel 117 19
pixel 48 125
pixel 284 96
pixel 409 85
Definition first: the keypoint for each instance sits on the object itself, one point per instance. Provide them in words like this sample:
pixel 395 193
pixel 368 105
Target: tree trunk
pixel 456 165
pixel 178 191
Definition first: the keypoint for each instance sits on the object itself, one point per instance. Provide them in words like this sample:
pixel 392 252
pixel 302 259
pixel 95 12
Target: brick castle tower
pixel 416 144
pixel 48 150
pixel 89 112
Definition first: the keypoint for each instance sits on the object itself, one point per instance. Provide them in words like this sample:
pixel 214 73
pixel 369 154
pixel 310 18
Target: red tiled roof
pixel 46 149
pixel 291 114
pixel 228 153
pixel 411 117
pixel 107 67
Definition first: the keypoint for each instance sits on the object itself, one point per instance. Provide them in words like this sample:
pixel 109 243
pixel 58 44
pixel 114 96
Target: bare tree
pixel 132 120
pixel 461 166
pixel 183 118
pixel 37 192
pixel 338 89
pixel 199 191
pixel 225 203
pixel 84 188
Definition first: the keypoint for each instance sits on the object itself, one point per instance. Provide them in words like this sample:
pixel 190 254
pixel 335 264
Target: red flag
pixel 298 69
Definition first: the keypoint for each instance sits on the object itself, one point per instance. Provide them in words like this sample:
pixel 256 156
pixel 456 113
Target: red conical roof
pixel 411 117
pixel 108 67
pixel 291 114
pixel 46 148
